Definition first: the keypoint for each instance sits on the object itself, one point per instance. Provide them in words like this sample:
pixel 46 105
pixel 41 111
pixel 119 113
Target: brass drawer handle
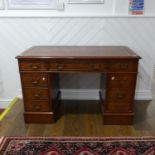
pixel 59 66
pixel 36 107
pixel 37 95
pixel 35 67
pixel 35 82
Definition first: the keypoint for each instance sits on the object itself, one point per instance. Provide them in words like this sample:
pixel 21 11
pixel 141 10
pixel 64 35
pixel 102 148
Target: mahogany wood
pixel 40 67
pixel 38 117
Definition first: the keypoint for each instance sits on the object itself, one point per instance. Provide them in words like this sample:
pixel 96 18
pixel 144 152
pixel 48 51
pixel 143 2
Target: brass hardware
pixel 35 66
pixel 37 95
pixel 36 107
pixel 34 82
pixel 59 66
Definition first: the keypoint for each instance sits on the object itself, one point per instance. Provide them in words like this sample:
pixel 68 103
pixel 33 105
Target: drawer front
pixel 118 100
pixel 34 79
pixel 33 65
pixel 36 94
pixel 79 66
pixel 123 66
pixel 121 80
pixel 120 107
pixel 37 106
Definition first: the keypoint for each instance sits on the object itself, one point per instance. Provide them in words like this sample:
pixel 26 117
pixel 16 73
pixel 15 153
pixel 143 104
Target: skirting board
pixel 84 94
pixel 4 103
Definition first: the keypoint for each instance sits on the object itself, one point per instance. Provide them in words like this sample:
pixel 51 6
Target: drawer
pixel 36 94
pixel 33 65
pixel 34 79
pixel 119 100
pixel 121 80
pixel 118 107
pixel 79 66
pixel 123 66
pixel 37 106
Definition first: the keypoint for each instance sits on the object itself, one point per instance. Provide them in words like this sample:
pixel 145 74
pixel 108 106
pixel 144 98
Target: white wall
pixel 109 8
pixel 18 34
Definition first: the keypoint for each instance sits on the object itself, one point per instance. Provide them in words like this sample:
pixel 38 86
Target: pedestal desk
pixel 40 67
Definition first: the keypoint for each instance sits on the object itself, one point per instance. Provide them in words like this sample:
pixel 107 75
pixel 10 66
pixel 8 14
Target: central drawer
pixel 116 65
pixel 79 66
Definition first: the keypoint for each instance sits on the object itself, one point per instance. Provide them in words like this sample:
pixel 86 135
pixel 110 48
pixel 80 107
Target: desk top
pixel 78 52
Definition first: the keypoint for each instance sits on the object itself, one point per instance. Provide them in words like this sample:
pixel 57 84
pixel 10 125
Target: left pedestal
pixel 40 90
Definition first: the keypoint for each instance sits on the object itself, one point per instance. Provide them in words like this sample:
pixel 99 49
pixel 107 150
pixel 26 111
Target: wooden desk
pixel 39 71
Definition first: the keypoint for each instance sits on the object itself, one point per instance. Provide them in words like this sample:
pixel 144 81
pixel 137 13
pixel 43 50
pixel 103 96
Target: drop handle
pixel 37 95
pixel 36 107
pixel 35 67
pixel 34 82
pixel 59 66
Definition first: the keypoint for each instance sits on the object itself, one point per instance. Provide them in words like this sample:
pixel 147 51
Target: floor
pixel 81 118
pixel 1 110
